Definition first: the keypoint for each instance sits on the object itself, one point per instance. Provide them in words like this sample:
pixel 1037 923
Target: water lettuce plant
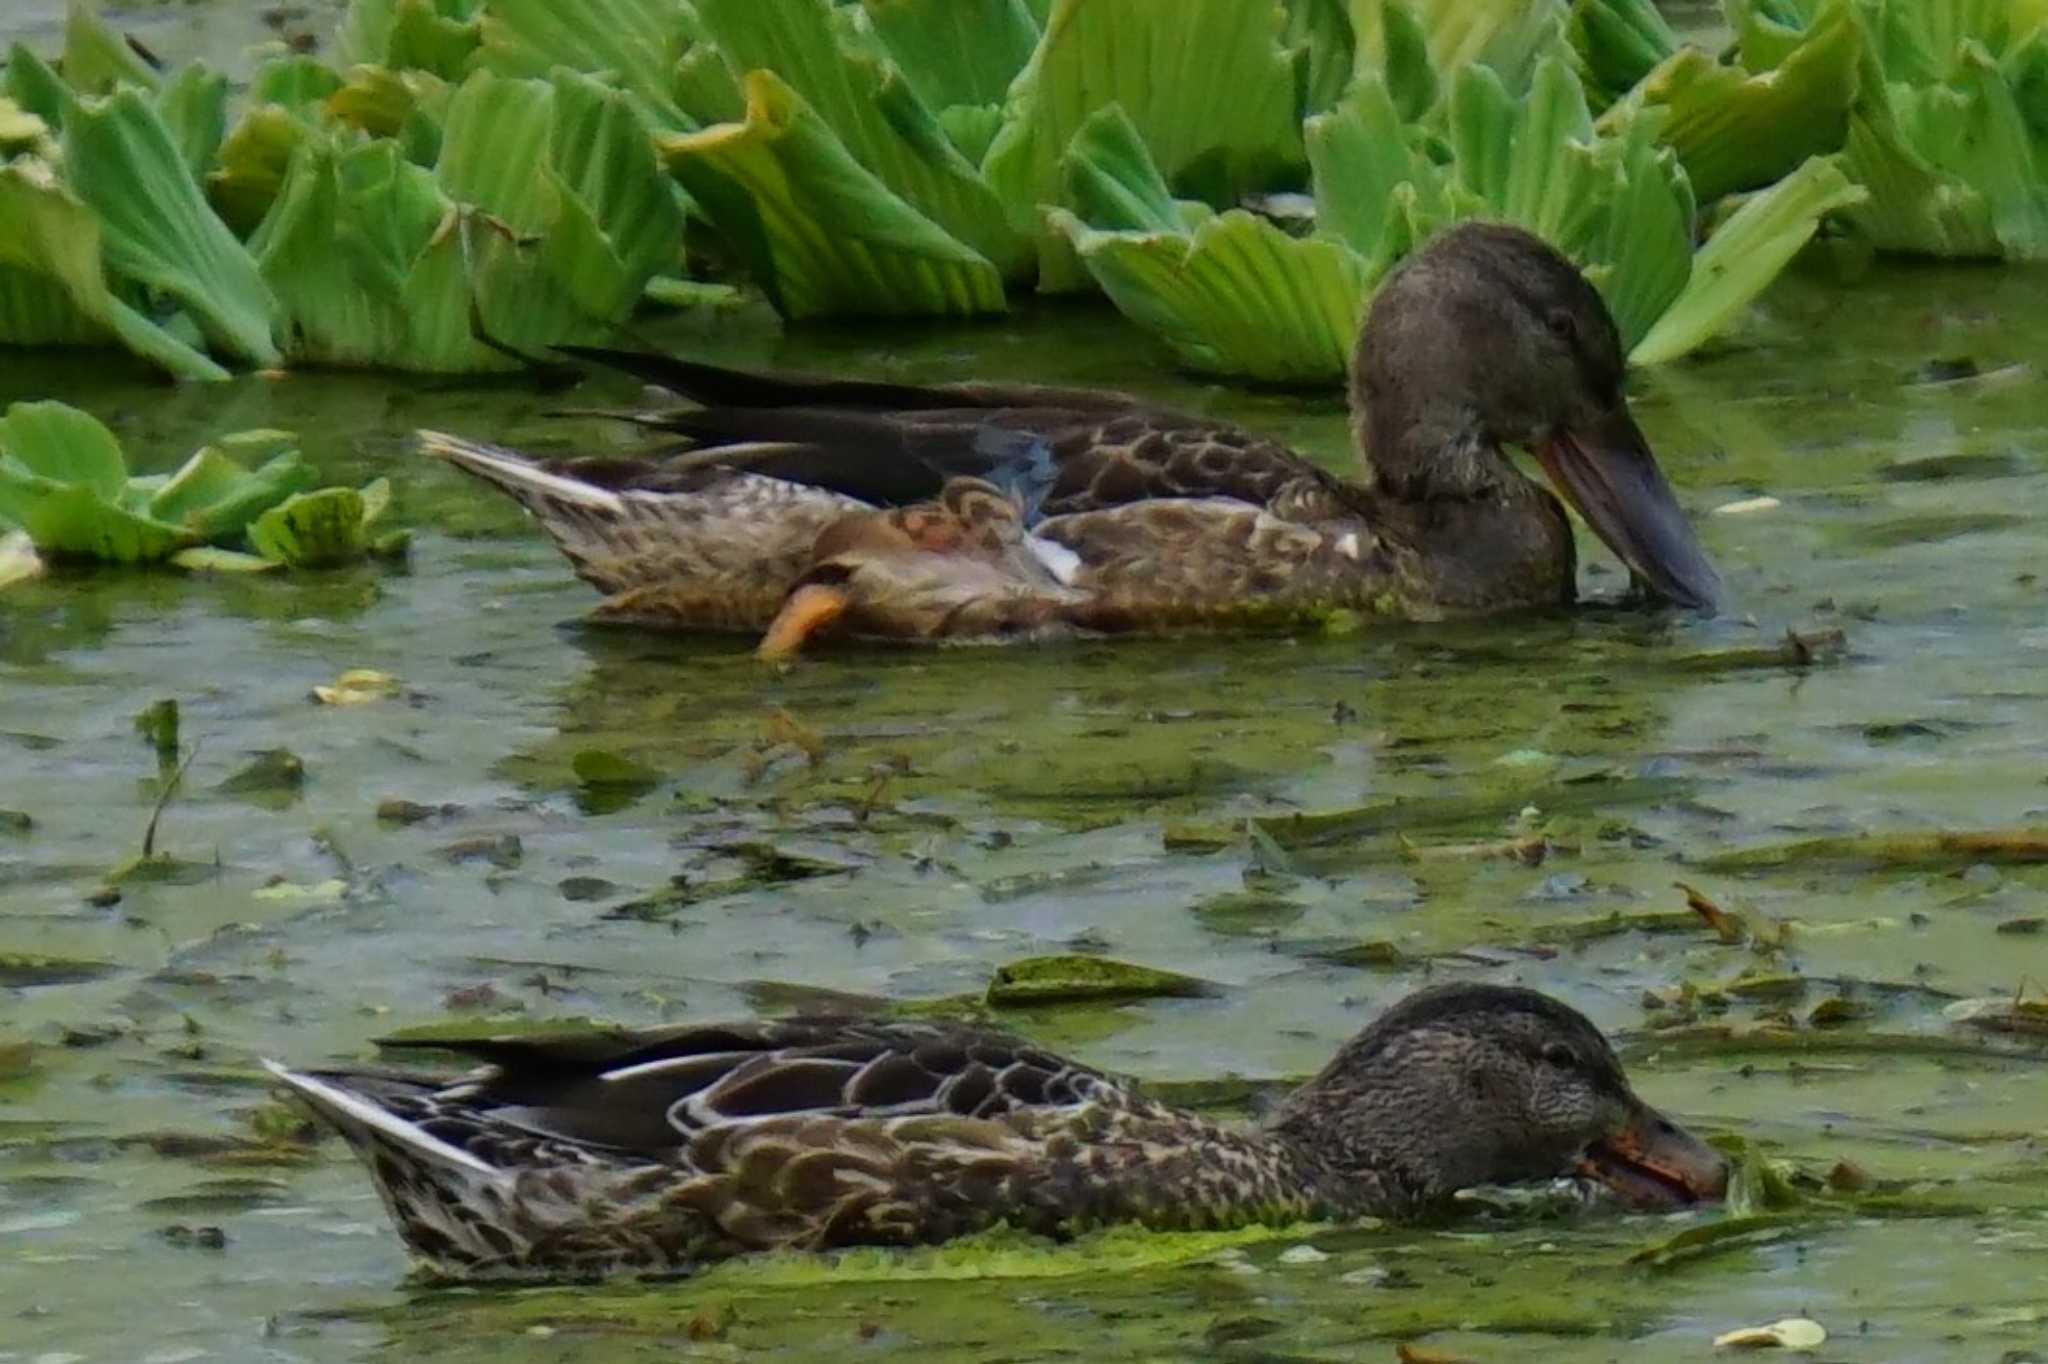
pixel 65 483
pixel 1936 105
pixel 1233 293
pixel 1949 129
pixel 477 179
pixel 386 217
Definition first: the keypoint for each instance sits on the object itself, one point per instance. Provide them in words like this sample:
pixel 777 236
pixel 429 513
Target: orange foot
pixel 808 610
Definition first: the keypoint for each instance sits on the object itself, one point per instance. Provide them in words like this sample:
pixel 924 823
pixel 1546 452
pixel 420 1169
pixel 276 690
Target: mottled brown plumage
pixel 991 511
pixel 654 1152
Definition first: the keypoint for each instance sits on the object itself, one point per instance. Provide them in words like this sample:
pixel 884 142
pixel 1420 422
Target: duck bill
pixel 1604 468
pixel 1654 1163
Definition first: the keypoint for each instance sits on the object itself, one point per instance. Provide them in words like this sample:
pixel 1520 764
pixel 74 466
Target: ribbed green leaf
pixel 56 441
pixel 323 529
pixel 156 228
pixel 956 51
pixel 636 42
pixel 1205 82
pixel 1506 35
pixel 1617 43
pixel 97 59
pixel 1362 154
pixel 1745 255
pixel 1734 130
pixel 822 235
pixel 874 112
pixel 194 104
pixel 1110 178
pixel 52 284
pixel 1237 296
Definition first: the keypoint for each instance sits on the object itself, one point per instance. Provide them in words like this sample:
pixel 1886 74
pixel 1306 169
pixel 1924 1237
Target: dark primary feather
pixel 648 1092
pixel 1059 450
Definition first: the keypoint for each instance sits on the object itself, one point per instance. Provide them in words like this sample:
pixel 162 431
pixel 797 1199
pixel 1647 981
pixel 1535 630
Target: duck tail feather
pixel 714 386
pixel 711 385
pixel 361 1118
pixel 535 487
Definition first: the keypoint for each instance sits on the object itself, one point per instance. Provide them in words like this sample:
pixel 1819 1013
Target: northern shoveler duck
pixel 654 1152
pixel 991 511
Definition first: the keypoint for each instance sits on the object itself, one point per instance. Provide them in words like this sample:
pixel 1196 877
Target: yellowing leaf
pixel 1793 1333
pixel 19 561
pixel 358 687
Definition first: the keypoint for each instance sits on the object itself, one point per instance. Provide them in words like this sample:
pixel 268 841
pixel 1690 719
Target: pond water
pixel 941 812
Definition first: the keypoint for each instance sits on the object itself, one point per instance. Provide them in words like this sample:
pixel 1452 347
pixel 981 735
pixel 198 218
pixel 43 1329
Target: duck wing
pixel 649 1092
pixel 1061 451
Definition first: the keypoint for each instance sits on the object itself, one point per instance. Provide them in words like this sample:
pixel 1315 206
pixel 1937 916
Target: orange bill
pixel 1654 1163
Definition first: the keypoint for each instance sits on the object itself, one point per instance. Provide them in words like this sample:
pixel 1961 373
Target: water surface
pixel 967 807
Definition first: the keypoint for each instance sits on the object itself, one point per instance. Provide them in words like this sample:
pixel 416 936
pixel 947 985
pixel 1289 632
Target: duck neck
pixel 1354 1172
pixel 1418 444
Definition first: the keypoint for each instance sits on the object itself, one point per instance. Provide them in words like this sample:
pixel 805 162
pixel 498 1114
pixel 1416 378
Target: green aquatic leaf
pixel 622 220
pixel 63 480
pixel 1736 129
pixel 323 529
pixel 874 111
pixel 1617 43
pixel 602 767
pixel 1948 125
pixel 194 105
pixel 636 43
pixel 955 52
pixel 1110 179
pixel 1506 36
pixel 1744 255
pixel 215 496
pixel 363 251
pixel 544 215
pixel 157 231
pixel 959 57
pixel 34 85
pixel 1235 296
pixel 53 288
pixel 1074 979
pixel 1319 34
pixel 1611 196
pixel 1377 187
pixel 773 182
pixel 21 131
pixel 97 59
pixel 253 160
pixel 422 36
pixel 56 441
pixel 1170 59
pixel 68 520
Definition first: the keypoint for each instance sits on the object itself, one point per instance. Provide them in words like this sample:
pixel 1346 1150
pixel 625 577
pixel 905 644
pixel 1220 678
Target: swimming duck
pixel 991 511
pixel 653 1152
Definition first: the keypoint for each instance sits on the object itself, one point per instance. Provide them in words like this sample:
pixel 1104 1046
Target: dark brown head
pixel 1487 338
pixel 1461 1085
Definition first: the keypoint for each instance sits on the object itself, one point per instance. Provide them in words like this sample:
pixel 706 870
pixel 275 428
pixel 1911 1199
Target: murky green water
pixel 971 806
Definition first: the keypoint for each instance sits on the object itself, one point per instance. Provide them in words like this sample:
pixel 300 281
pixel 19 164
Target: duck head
pixel 1489 338
pixel 1465 1084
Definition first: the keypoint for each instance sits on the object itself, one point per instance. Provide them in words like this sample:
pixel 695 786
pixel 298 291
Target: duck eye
pixel 1560 1055
pixel 1561 324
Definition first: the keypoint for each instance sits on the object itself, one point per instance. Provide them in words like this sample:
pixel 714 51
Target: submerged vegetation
pixel 472 181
